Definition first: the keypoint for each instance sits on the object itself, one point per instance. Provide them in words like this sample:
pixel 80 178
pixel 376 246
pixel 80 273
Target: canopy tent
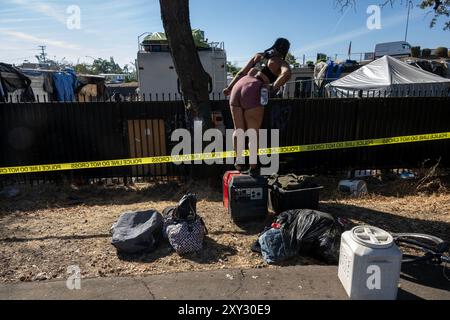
pixel 389 77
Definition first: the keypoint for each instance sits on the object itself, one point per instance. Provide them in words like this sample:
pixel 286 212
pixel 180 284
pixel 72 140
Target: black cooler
pixel 248 198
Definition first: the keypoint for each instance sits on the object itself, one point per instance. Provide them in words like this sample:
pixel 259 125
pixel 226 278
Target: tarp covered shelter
pixel 41 83
pixel 91 88
pixel 14 84
pixel 388 76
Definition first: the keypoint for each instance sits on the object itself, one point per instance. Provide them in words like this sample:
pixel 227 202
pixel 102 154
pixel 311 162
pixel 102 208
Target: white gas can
pixel 369 264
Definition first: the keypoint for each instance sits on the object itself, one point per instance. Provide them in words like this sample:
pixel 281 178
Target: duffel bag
pixel 186 236
pixel 183 228
pixel 137 232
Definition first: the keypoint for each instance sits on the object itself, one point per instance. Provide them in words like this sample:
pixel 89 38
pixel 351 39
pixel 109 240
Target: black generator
pixel 248 198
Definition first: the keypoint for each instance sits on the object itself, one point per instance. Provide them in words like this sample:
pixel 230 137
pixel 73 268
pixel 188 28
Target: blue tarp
pixel 334 71
pixel 65 83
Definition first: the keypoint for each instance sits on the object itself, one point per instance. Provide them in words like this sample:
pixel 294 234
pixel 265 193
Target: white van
pixel 393 49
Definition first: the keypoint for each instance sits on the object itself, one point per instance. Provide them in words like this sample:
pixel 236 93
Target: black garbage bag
pixel 137 232
pixel 311 232
pixel 302 232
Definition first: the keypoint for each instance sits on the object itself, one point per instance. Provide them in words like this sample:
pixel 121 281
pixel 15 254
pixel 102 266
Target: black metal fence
pixel 49 133
pixel 315 121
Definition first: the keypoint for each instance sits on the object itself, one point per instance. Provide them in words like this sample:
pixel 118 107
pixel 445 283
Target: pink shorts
pixel 246 94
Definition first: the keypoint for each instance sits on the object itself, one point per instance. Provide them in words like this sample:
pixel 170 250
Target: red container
pixel 226 185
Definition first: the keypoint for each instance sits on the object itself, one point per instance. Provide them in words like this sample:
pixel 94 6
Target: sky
pixel 111 27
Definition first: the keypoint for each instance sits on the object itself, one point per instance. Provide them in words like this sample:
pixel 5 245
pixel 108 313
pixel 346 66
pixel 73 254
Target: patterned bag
pixel 184 229
pixel 186 237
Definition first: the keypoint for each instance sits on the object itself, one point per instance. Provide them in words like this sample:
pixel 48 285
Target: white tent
pixel 389 77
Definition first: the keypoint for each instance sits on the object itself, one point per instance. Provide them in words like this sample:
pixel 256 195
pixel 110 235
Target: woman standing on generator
pixel 249 92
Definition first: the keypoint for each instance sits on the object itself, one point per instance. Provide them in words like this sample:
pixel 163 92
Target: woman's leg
pixel 239 124
pixel 254 119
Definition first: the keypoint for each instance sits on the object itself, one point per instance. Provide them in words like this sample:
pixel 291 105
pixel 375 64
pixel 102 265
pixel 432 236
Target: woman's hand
pixel 227 91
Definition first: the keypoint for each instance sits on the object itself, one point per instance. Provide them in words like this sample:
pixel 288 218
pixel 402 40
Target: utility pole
pixel 43 54
pixel 410 5
pixel 350 51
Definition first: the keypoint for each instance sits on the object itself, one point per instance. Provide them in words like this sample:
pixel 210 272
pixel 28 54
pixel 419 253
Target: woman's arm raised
pixel 284 77
pixel 257 58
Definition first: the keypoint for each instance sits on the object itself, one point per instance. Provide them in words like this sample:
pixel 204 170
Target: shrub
pixel 426 53
pixel 415 52
pixel 442 52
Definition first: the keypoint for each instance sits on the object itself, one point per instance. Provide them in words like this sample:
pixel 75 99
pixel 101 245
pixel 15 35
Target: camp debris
pixel 301 232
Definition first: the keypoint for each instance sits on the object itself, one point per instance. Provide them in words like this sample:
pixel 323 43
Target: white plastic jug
pixel 369 264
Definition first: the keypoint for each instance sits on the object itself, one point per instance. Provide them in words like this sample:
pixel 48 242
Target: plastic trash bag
pixel 137 232
pixel 302 232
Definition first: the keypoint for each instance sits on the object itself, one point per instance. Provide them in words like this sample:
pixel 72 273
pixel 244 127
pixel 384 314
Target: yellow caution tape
pixel 223 155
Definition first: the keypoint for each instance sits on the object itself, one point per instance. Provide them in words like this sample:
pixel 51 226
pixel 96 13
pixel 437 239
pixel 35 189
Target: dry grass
pixel 44 230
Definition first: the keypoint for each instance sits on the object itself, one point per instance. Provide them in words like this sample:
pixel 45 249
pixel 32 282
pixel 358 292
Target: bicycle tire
pixel 437 241
pixel 432 246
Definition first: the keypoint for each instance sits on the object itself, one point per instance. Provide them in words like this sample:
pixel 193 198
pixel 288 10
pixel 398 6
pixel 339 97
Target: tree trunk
pixel 194 80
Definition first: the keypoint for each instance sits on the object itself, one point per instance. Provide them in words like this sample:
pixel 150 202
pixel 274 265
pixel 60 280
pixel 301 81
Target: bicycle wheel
pixel 421 247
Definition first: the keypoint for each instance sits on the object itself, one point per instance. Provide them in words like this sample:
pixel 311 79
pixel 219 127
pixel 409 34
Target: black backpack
pixel 187 208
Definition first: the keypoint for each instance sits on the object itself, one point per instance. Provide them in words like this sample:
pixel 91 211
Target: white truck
pixel 393 49
pixel 156 70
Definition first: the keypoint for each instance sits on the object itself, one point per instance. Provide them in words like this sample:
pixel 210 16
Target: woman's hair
pixel 281 46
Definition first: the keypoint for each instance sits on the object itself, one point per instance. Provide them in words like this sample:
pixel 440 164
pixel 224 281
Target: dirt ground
pixel 45 229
